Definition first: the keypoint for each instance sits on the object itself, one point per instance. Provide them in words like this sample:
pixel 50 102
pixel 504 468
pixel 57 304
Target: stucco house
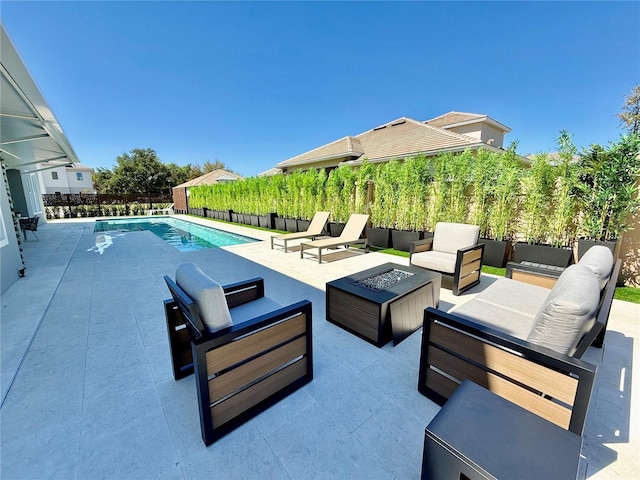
pixel 31 143
pixel 180 193
pixel 76 178
pixel 403 138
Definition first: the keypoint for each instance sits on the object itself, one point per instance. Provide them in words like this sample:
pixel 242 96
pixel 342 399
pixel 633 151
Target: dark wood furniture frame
pixel 554 386
pixel 379 316
pixel 468 264
pixel 243 369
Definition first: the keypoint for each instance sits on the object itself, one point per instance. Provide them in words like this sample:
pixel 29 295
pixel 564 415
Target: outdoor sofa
pixel 247 350
pixel 524 342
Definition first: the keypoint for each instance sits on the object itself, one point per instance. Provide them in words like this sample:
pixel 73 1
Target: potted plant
pixel 412 186
pixel 383 206
pixel 538 217
pixel 537 190
pixel 340 193
pixel 502 215
pixel 496 188
pixel 608 184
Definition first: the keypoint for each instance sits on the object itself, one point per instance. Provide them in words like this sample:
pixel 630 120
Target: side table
pixel 479 435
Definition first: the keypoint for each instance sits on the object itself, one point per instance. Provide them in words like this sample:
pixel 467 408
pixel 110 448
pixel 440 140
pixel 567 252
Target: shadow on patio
pixel 87 388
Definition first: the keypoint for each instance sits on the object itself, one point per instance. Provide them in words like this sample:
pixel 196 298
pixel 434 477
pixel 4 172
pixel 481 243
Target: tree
pixel 216 165
pixel 101 180
pixel 140 172
pixel 630 116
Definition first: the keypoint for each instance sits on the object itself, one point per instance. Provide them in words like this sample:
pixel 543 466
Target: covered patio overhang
pixel 30 135
pixel 31 140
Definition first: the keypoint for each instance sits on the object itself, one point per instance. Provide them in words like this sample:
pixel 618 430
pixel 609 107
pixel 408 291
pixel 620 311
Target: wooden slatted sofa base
pixel 245 368
pixel 556 386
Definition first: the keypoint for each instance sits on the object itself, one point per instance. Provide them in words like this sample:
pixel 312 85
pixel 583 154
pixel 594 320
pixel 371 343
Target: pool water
pixel 185 236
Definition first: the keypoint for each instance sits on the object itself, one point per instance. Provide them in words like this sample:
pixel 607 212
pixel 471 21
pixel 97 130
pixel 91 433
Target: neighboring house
pixel 75 178
pixel 181 192
pixel 31 143
pixel 404 138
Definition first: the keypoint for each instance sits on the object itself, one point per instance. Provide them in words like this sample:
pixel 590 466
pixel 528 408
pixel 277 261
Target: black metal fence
pixel 70 205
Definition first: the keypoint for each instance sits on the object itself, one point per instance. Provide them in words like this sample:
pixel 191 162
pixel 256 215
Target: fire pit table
pixel 383 302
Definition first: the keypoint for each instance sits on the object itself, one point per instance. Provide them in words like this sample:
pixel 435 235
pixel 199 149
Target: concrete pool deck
pixel 87 390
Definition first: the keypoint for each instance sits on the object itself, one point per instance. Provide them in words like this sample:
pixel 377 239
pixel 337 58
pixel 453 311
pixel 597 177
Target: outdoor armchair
pixel 350 235
pixel 315 229
pixel 29 224
pixel 453 251
pixel 247 350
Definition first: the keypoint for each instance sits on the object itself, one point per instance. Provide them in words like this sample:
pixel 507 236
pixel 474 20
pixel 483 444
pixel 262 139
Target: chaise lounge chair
pixel 315 229
pixel 247 350
pixel 350 235
pixel 162 211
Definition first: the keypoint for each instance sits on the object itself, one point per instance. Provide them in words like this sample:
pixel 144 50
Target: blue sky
pixel 252 84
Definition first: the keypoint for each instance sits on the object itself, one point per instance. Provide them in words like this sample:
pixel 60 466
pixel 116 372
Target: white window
pixel 54 175
pixel 79 176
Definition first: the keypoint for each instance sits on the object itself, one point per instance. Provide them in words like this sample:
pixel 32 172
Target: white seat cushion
pixel 439 261
pixel 207 294
pixel 451 237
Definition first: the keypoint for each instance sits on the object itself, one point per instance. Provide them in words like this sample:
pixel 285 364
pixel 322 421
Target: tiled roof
pixel 397 139
pixel 210 178
pixel 458 118
pixel 345 147
pixel 405 136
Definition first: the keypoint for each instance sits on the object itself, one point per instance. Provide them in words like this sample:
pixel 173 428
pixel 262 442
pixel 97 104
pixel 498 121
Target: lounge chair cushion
pixel 572 301
pixel 439 261
pixel 253 309
pixel 600 260
pixel 207 294
pixel 451 237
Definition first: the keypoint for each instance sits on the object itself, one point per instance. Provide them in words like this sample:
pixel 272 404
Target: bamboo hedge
pixel 538 202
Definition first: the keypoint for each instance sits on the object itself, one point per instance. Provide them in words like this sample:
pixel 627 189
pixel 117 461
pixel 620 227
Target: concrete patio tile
pixel 340 346
pixel 284 412
pixel 385 434
pixel 318 446
pixel 141 449
pixel 350 399
pixel 399 381
pixel 50 452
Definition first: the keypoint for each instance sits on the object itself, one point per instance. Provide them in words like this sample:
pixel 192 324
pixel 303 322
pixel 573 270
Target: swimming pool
pixel 185 236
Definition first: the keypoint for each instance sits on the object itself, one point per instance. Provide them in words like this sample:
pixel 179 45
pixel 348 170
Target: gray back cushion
pixel 451 237
pixel 571 303
pixel 600 260
pixel 207 294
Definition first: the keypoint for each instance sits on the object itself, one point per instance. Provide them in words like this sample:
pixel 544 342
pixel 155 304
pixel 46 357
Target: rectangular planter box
pixel 544 254
pixel 291 224
pixel 335 229
pixel 379 237
pixel 402 239
pixel 496 253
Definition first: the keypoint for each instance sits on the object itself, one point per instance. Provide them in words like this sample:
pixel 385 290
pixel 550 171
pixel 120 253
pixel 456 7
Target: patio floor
pixel 87 390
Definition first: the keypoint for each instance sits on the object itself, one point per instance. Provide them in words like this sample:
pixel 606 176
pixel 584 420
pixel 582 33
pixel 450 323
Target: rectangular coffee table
pixel 383 302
